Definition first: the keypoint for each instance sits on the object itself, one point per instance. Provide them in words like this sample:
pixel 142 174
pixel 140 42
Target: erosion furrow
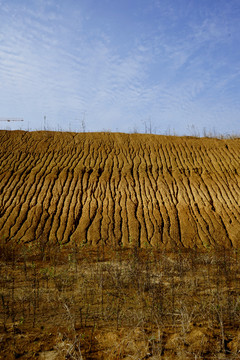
pixel 119 189
pixel 66 224
pixel 106 220
pixel 124 221
pixel 93 230
pixel 59 219
pixel 137 200
pixel 42 208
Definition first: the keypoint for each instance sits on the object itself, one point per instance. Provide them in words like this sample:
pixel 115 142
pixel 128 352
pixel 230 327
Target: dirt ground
pixel 74 303
pixel 119 246
pixel 122 189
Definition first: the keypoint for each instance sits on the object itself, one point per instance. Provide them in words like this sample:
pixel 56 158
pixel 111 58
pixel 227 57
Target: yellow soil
pixel 121 189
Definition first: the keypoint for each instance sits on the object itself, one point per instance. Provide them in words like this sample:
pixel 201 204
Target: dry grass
pixel 119 246
pixel 76 303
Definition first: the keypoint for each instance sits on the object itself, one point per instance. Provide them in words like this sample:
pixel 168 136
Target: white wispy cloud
pixel 52 63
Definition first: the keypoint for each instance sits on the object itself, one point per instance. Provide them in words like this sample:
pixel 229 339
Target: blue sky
pixel 121 65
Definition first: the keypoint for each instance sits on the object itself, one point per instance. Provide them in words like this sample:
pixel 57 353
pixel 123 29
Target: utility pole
pixel 44 125
pixel 83 122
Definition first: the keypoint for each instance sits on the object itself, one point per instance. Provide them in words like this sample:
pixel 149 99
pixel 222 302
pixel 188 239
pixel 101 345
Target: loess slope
pixel 120 189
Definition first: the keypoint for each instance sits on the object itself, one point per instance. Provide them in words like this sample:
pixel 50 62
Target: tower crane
pixel 10 119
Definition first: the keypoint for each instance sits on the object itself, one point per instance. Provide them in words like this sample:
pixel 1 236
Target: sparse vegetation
pixel 122 303
pixel 119 246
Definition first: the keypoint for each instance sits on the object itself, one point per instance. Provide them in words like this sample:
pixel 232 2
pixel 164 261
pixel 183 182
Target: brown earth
pixel 88 304
pixel 119 189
